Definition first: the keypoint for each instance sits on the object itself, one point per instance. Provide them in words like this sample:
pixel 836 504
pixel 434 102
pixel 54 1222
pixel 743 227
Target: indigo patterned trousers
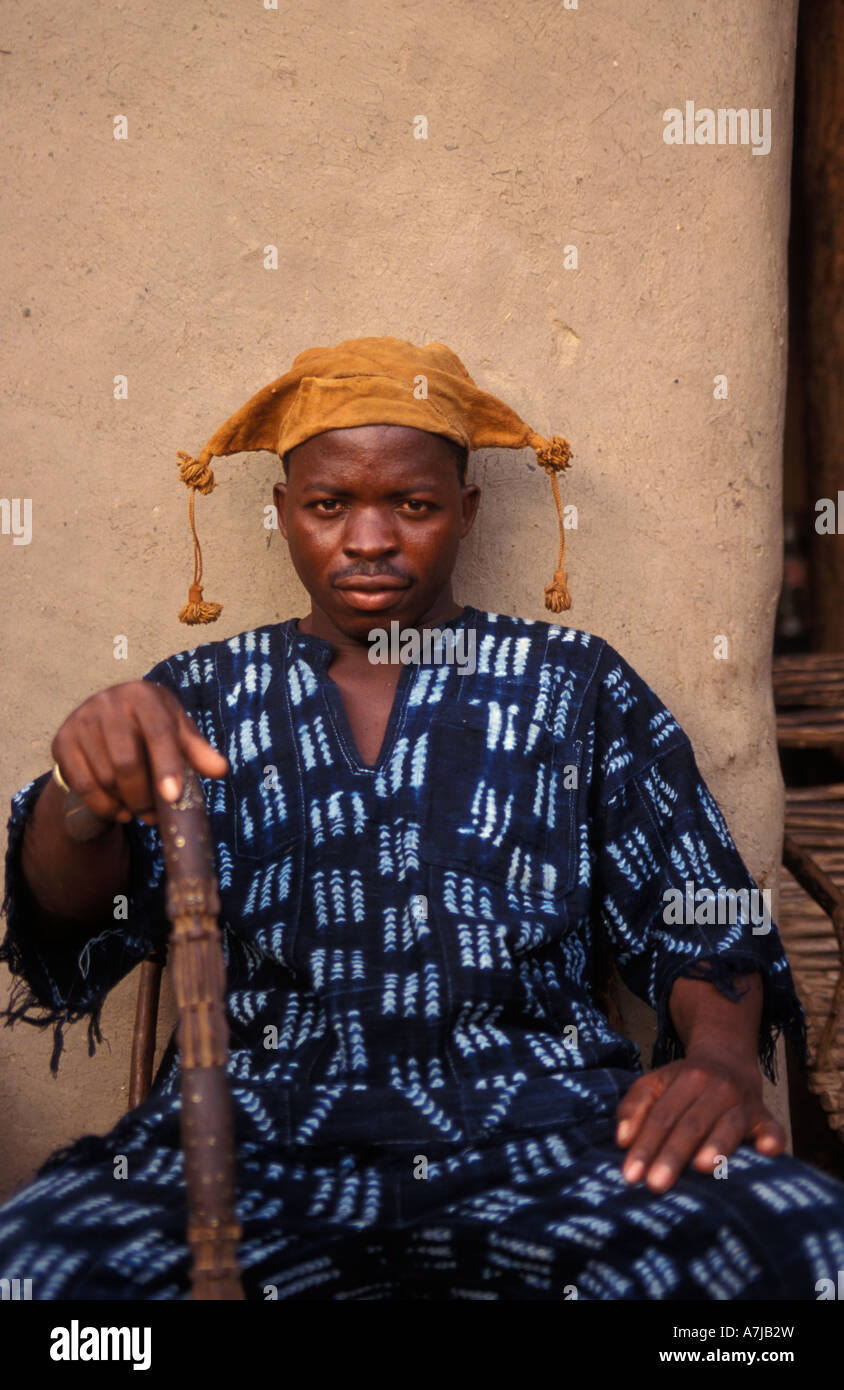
pixel 540 1216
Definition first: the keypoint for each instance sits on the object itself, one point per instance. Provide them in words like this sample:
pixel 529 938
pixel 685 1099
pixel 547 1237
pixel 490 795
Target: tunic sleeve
pixel 57 982
pixel 673 894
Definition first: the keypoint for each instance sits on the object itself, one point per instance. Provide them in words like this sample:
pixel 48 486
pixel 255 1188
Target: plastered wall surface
pixel 147 258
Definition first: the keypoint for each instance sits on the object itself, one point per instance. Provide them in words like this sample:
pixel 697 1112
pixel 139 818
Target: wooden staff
pixel 199 984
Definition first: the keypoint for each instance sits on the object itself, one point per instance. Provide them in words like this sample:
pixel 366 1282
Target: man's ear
pixel 280 500
pixel 469 501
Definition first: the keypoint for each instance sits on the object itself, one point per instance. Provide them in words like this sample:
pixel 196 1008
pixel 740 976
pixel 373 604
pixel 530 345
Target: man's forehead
pixel 391 438
pixel 384 466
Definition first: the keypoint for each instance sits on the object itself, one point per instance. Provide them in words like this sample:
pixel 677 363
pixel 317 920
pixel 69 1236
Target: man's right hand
pixel 125 739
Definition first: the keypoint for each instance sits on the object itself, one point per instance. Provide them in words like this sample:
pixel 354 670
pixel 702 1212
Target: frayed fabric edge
pixel 35 997
pixel 26 1007
pixel 25 1004
pixel 782 1012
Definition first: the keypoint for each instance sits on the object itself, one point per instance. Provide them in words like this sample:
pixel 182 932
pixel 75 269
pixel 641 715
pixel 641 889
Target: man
pixel 418 865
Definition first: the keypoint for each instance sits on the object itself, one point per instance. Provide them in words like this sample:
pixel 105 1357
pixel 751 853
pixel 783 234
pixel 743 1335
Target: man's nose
pixel 369 532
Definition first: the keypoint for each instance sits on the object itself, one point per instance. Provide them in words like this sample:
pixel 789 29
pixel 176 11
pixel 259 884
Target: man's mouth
pixel 368 582
pixel 370 591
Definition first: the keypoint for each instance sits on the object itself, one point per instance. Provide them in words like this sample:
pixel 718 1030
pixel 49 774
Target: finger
pixel 203 757
pixel 158 722
pixel 636 1103
pixel 723 1139
pixel 90 737
pixel 683 1090
pixel 79 775
pixel 124 741
pixel 682 1141
pixel 768 1136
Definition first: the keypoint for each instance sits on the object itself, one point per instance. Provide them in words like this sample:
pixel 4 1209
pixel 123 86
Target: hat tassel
pixel 196 475
pixel 554 455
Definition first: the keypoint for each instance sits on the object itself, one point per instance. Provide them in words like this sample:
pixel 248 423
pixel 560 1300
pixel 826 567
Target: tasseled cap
pixel 371 381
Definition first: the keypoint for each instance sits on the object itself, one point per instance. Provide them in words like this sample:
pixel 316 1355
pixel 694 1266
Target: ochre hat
pixel 371 381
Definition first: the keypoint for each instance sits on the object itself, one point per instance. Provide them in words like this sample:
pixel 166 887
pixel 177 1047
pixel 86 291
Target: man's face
pixel 373 517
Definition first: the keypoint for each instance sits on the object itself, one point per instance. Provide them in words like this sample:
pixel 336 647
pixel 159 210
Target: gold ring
pixel 57 776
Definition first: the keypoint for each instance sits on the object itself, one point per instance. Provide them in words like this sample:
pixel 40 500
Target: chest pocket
pixel 502 798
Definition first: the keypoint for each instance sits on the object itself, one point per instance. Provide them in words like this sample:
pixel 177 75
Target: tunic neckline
pixel 320 651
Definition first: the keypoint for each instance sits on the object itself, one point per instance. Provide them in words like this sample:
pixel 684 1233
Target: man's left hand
pixel 697 1109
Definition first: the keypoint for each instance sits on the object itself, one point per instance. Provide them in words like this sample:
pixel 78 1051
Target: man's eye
pixel 329 505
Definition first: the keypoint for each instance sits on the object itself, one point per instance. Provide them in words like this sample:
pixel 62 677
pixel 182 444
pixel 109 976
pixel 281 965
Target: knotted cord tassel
pixel 554 455
pixel 557 596
pixel 196 475
pixel 199 610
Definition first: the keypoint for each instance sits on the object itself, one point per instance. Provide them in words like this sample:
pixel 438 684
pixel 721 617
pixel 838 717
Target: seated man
pixel 417 863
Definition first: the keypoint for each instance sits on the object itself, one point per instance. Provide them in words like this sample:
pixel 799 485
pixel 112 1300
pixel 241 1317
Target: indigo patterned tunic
pixel 423 1081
